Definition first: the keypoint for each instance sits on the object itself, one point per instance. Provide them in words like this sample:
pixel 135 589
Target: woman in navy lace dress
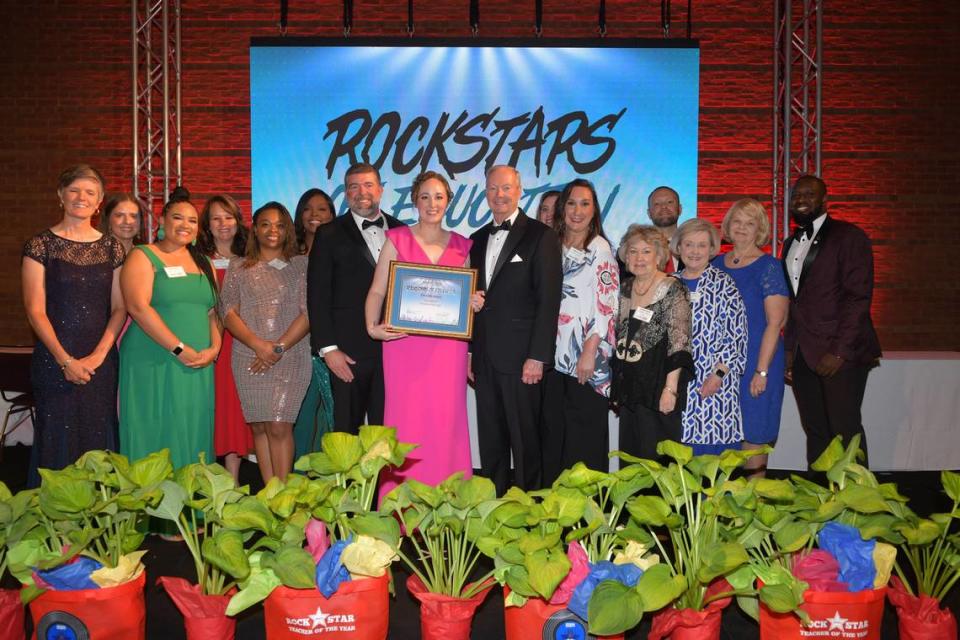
pixel 71 291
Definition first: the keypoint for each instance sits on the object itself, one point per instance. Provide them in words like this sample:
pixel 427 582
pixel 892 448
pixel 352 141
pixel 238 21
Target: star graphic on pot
pixel 320 618
pixel 836 622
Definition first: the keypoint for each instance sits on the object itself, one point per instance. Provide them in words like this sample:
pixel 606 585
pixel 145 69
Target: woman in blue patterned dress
pixel 712 421
pixel 577 390
pixel 761 282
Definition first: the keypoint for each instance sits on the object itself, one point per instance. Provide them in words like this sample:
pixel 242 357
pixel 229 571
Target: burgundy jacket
pixel 830 313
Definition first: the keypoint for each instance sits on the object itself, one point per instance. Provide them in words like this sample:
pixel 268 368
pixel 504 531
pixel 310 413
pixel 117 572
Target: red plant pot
pixel 203 616
pixel 113 613
pixel 536 616
pixel 11 614
pixel 444 617
pixel 833 614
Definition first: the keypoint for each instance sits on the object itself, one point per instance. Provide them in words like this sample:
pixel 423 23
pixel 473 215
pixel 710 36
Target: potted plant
pixel 932 551
pixel 202 500
pixel 12 528
pixel 687 588
pixel 91 511
pixel 443 525
pixel 331 503
pixel 873 512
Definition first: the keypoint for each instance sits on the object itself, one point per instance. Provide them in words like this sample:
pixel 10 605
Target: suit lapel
pixel 350 227
pixel 513 239
pixel 815 245
pixel 479 250
pixel 784 252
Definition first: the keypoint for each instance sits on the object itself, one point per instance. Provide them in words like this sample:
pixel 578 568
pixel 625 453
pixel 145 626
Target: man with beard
pixel 514 335
pixel 829 338
pixel 342 262
pixel 663 208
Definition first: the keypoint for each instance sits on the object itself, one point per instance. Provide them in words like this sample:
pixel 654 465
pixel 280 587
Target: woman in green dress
pixel 166 381
pixel 314 209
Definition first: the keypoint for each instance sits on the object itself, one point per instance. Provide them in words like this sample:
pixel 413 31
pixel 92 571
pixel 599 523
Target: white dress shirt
pixel 798 253
pixel 374 237
pixel 495 246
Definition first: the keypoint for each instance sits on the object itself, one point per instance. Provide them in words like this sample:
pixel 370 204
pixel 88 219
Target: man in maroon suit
pixel 830 341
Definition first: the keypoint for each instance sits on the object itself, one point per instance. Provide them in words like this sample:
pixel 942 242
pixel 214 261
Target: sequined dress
pixel 72 419
pixel 268 299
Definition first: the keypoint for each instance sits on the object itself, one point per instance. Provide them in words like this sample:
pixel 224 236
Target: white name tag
pixel 643 314
pixel 577 255
pixel 175 272
pixel 277 264
pixel 695 297
pixel 221 263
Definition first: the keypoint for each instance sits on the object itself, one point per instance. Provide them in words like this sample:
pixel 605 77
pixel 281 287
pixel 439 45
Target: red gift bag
pixel 11 614
pixel 359 610
pixel 113 613
pixel 444 617
pixel 203 616
pixel 539 619
pixel 920 617
pixel 833 614
pixel 690 624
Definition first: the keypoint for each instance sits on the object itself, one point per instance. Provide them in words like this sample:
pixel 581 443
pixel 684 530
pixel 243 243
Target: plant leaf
pixel 614 607
pixel 224 550
pixel 658 587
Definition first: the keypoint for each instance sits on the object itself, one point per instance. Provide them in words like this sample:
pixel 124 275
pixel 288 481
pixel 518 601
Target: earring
pixel 193 242
pixel 160 234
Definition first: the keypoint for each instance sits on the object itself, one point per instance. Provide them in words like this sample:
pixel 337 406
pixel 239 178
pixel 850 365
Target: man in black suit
pixel 830 341
pixel 515 333
pixel 663 209
pixel 339 274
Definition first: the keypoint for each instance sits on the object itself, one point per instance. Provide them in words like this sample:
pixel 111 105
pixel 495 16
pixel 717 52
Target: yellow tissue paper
pixel 883 557
pixel 126 570
pixel 367 557
pixel 634 554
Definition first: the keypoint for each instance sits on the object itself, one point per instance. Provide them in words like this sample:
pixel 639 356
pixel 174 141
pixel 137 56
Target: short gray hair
pixel 695 225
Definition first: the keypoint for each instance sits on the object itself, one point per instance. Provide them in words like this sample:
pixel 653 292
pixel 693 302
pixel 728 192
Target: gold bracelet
pixel 63 367
pixel 672 391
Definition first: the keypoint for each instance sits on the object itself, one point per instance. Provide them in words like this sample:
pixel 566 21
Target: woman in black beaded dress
pixel 71 291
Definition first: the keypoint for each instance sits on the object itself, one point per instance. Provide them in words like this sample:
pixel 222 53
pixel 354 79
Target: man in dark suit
pixel 339 274
pixel 663 209
pixel 515 333
pixel 830 341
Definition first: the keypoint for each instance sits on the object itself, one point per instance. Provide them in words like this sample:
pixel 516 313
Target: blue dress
pixel 759 279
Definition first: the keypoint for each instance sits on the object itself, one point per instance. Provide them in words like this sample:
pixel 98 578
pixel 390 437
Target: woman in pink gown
pixel 425 378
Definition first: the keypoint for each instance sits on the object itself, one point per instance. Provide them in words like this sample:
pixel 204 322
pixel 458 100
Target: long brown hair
pixel 205 238
pixel 559 219
pixel 252 254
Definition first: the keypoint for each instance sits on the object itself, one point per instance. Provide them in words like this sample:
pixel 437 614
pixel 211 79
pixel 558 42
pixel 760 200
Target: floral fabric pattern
pixel 588 306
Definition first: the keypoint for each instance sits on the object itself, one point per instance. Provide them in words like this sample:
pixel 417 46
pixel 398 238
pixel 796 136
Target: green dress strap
pixel 151 256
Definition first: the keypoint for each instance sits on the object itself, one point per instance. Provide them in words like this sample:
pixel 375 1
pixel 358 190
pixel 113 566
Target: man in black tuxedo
pixel 339 274
pixel 514 335
pixel 830 341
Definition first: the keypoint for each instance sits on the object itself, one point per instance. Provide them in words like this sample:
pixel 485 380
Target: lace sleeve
pixel 36 249
pixel 679 319
pixel 773 282
pixel 117 253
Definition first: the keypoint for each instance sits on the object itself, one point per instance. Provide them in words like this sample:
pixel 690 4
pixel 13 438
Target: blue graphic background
pixel 295 91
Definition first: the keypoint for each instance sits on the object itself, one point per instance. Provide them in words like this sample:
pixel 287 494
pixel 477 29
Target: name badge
pixel 695 297
pixel 175 272
pixel 577 255
pixel 277 264
pixel 221 263
pixel 643 314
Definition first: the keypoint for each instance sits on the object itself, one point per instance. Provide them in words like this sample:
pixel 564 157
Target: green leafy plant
pixel 695 509
pixel 443 525
pixel 337 489
pixel 931 550
pixel 198 500
pixel 94 508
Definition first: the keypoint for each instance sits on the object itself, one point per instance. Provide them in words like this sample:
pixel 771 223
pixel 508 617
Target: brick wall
pixel 890 156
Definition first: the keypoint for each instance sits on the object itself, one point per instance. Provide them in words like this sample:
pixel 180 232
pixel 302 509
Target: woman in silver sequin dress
pixel 264 307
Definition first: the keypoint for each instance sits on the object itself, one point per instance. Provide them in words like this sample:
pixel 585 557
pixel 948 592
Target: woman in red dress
pixel 222 236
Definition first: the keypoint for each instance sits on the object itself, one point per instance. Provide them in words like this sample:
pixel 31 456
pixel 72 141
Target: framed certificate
pixel 430 300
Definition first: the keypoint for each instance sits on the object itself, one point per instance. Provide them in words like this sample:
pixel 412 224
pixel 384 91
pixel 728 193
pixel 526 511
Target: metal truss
pixel 797 90
pixel 156 70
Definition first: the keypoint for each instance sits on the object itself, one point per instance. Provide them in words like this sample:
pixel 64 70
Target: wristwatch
pixel 719 372
pixel 279 348
pixel 177 350
pixel 762 374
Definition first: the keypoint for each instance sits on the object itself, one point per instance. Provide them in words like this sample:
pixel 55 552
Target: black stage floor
pixel 164 621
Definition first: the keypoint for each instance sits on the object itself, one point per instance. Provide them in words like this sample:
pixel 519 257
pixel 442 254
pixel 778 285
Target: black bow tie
pixel 503 226
pixel 803 230
pixel 373 223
